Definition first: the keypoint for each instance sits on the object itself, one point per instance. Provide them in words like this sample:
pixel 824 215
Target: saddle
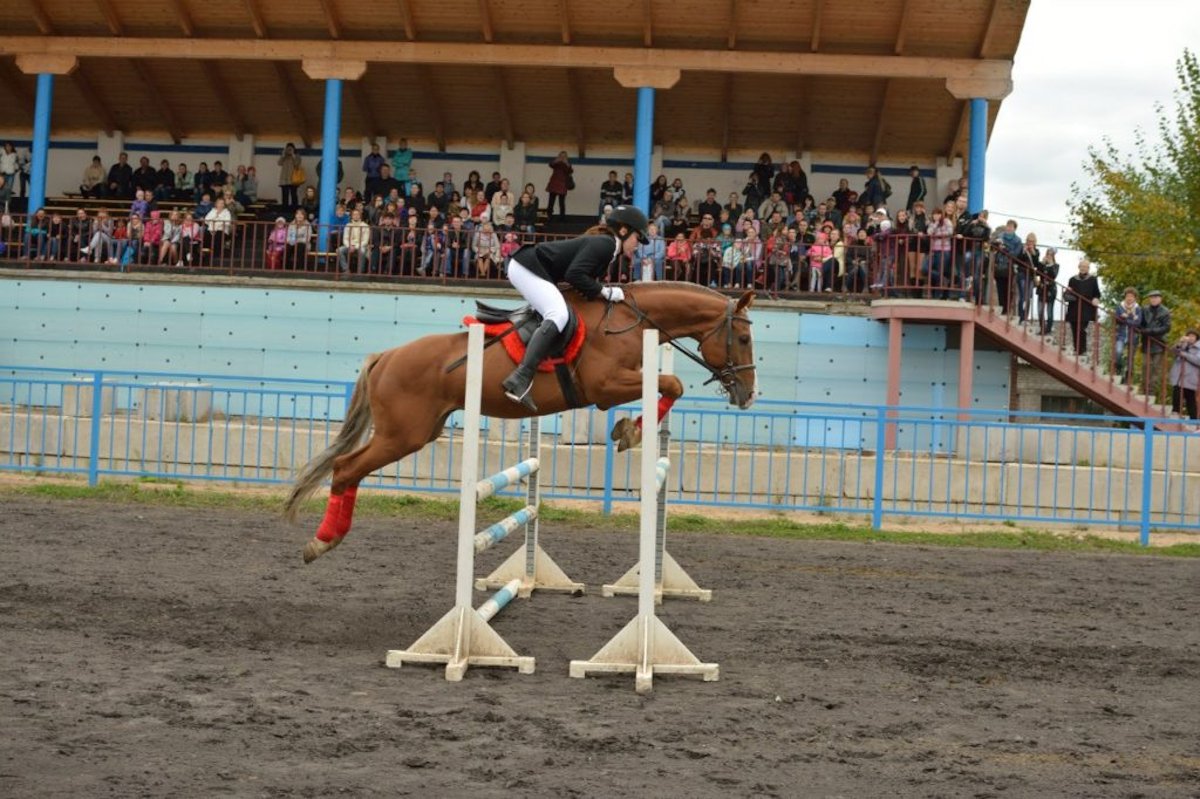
pixel 515 326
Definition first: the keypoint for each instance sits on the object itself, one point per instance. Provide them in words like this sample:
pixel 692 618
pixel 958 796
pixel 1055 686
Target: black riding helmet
pixel 631 217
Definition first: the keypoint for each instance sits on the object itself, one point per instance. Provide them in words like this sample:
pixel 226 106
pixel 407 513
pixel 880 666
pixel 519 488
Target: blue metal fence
pixel 876 462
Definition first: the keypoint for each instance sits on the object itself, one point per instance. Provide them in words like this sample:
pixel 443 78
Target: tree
pixel 1139 220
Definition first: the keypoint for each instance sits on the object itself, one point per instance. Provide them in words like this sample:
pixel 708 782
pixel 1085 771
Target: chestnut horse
pixel 407 392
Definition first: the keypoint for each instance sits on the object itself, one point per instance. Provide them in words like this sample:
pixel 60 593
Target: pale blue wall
pixel 277 332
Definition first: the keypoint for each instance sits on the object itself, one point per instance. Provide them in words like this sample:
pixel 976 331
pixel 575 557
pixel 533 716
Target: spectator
pixel 299 237
pixel 747 222
pixel 80 231
pixel 661 211
pixel 246 185
pixel 356 243
pixel 337 223
pixel 202 181
pixel 679 217
pixel 416 204
pixel 858 261
pixel 648 258
pixel 448 184
pixel 140 205
pixel 753 191
pixel 709 205
pixel 481 209
pixel 1127 321
pixel 410 245
pixel 168 248
pixel 873 191
pixel 100 246
pixel 218 224
pixel 764 173
pixel 509 246
pixel 458 249
pixel 385 184
pixel 183 183
pixel 679 258
pixel 975 234
pixel 1083 296
pixel 940 268
pixel 658 188
pixel 203 207
pixel 276 244
pixel 472 183
pixel 778 261
pixel 439 199
pixel 953 192
pixel 310 202
pixel 120 236
pixel 797 184
pixel 56 238
pixel 844 197
pixel 93 179
pixel 372 167
pixel 385 239
pixel 917 190
pixel 135 233
pixel 1007 246
pixel 120 178
pixel 733 206
pixel 627 189
pixel 152 238
pixel 502 202
pixel 218 178
pixel 402 158
pixel 1156 325
pixel 773 205
pixel 436 218
pixel 10 163
pixel 486 246
pixel 433 251
pixel 1047 283
pixel 1030 264
pixel 374 210
pixel 191 240
pixel 1185 375
pixel 341 175
pixel 706 252
pixel 525 214
pixel 145 178
pixel 36 230
pixel 822 267
pixel 611 191
pixel 561 181
pixel 291 176
pixel 164 181
pixel 493 186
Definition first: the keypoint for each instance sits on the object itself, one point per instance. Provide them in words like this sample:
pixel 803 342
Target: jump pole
pixel 530 564
pixel 463 638
pixel 670 579
pixel 646 646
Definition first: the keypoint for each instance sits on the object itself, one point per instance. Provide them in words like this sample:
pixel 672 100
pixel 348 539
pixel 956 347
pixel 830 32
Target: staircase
pixel 1052 354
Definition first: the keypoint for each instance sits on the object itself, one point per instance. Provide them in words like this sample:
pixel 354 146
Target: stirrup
pixel 523 397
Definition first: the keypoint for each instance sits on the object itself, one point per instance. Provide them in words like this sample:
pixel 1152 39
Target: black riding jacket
pixel 579 261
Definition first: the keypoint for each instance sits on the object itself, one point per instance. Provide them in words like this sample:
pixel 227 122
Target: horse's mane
pixel 660 285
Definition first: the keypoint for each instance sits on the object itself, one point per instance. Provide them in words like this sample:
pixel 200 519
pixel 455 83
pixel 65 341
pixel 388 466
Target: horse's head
pixel 728 349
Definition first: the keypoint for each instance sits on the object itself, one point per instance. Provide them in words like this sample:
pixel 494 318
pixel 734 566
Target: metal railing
pixel 777 456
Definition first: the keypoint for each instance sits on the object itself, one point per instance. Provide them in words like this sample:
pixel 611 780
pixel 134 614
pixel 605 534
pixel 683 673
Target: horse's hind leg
pixel 348 471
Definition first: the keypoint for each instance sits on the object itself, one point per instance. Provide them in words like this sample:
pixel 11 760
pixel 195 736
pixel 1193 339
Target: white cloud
pixel 1084 71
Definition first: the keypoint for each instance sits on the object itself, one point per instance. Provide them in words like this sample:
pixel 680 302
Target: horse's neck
pixel 683 313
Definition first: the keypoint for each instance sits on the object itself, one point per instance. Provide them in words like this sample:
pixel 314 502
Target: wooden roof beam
pixel 410 25
pixel 174 129
pixel 95 102
pixel 733 18
pixel 960 132
pixel 292 101
pixel 433 105
pixel 506 117
pixel 647 23
pixel 331 20
pixel 802 116
pixel 902 28
pixel 256 19
pixel 212 74
pixel 41 18
pixel 728 114
pixel 14 81
pixel 576 95
pixel 564 19
pixel 485 20
pixel 881 122
pixel 110 17
pixel 985 41
pixel 551 55
pixel 363 101
pixel 185 20
pixel 818 12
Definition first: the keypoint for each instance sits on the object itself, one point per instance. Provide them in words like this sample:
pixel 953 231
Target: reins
pixel 726 375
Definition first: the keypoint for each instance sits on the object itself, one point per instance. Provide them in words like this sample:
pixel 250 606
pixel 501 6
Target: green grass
pixel 175 494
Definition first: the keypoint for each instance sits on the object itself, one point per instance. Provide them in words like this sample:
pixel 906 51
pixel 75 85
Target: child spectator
pixel 649 257
pixel 299 236
pixel 80 232
pixel 168 249
pixel 277 244
pixel 191 239
pixel 356 243
pixel 36 231
pixel 679 258
pixel 139 206
pixel 152 237
pixel 100 246
pixel 486 246
pixel 509 246
pixel 386 244
pixel 433 251
pixel 246 185
pixel 458 249
pixel 611 190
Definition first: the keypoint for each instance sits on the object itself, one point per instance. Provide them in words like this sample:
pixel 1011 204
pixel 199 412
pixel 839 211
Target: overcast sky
pixel 1085 70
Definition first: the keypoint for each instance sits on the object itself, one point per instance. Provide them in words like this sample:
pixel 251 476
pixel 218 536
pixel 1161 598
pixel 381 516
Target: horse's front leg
pixel 628 432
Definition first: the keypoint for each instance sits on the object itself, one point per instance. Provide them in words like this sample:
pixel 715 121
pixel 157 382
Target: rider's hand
pixel 612 293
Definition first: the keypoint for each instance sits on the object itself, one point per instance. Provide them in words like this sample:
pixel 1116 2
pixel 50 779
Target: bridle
pixel 726 375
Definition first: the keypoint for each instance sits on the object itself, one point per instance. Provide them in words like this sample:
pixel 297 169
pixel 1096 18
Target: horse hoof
pixel 316 548
pixel 626 434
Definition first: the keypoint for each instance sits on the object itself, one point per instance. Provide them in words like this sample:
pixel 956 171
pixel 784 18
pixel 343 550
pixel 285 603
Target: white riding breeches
pixel 543 295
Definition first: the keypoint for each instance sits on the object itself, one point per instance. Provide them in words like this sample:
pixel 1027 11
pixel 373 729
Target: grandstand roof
pixel 780 75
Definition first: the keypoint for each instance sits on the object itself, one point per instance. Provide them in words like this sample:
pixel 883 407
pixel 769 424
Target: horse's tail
pixel 354 429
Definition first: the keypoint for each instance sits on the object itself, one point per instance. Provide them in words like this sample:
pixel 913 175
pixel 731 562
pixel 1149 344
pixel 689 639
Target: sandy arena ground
pixel 152 651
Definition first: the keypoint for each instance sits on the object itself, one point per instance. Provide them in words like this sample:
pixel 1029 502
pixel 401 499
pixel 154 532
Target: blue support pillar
pixel 977 161
pixel 41 141
pixel 327 195
pixel 643 146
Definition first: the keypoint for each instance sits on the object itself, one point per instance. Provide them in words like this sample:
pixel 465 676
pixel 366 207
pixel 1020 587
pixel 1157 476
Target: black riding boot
pixel 517 385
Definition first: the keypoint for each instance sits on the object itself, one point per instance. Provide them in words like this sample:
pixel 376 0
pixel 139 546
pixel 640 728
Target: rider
pixel 535 269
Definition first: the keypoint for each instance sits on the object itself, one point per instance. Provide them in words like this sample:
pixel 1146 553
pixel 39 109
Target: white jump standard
pixel 645 646
pixel 463 638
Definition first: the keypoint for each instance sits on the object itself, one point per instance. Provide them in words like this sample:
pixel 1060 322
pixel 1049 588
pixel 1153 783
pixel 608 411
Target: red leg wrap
pixel 664 407
pixel 328 530
pixel 346 516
